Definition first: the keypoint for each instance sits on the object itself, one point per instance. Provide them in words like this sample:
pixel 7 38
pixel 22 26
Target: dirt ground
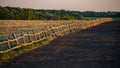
pixel 96 47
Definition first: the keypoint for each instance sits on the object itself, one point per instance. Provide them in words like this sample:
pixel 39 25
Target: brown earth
pixel 96 47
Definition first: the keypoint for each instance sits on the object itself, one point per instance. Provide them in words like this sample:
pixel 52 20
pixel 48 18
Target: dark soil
pixel 96 47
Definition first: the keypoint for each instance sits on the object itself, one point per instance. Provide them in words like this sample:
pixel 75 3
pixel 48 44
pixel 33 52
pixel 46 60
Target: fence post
pixel 14 35
pixel 8 43
pixel 38 34
pixel 30 37
pixel 34 35
pixel 23 37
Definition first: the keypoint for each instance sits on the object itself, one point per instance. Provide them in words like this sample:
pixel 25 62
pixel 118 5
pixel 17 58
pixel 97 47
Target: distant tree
pixel 4 13
pixel 117 15
pixel 82 17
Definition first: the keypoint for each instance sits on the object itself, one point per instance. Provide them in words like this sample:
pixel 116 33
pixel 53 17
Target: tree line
pixel 16 13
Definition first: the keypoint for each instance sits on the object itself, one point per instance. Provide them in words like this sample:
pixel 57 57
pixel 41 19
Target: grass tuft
pixel 4 57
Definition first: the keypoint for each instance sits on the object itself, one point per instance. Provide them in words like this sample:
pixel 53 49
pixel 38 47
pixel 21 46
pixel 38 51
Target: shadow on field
pixel 96 47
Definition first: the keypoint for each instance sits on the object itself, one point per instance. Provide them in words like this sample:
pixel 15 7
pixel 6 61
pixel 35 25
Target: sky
pixel 73 5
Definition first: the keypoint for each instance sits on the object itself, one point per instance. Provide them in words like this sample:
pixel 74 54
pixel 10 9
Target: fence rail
pixel 17 40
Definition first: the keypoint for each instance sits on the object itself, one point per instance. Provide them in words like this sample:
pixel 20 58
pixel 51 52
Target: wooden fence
pixel 16 40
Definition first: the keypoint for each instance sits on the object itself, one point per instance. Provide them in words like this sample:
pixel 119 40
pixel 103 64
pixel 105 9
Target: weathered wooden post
pixel 23 37
pixel 8 43
pixel 16 40
pixel 34 35
pixel 38 34
pixel 30 36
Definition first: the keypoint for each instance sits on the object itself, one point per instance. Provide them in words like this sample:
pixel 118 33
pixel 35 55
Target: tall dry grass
pixel 8 26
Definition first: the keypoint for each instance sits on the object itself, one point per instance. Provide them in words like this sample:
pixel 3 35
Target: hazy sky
pixel 77 5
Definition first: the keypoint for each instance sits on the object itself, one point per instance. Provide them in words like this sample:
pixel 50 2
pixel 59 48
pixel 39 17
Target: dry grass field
pixel 7 26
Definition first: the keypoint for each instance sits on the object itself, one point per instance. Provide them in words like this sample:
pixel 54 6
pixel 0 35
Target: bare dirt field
pixel 96 47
